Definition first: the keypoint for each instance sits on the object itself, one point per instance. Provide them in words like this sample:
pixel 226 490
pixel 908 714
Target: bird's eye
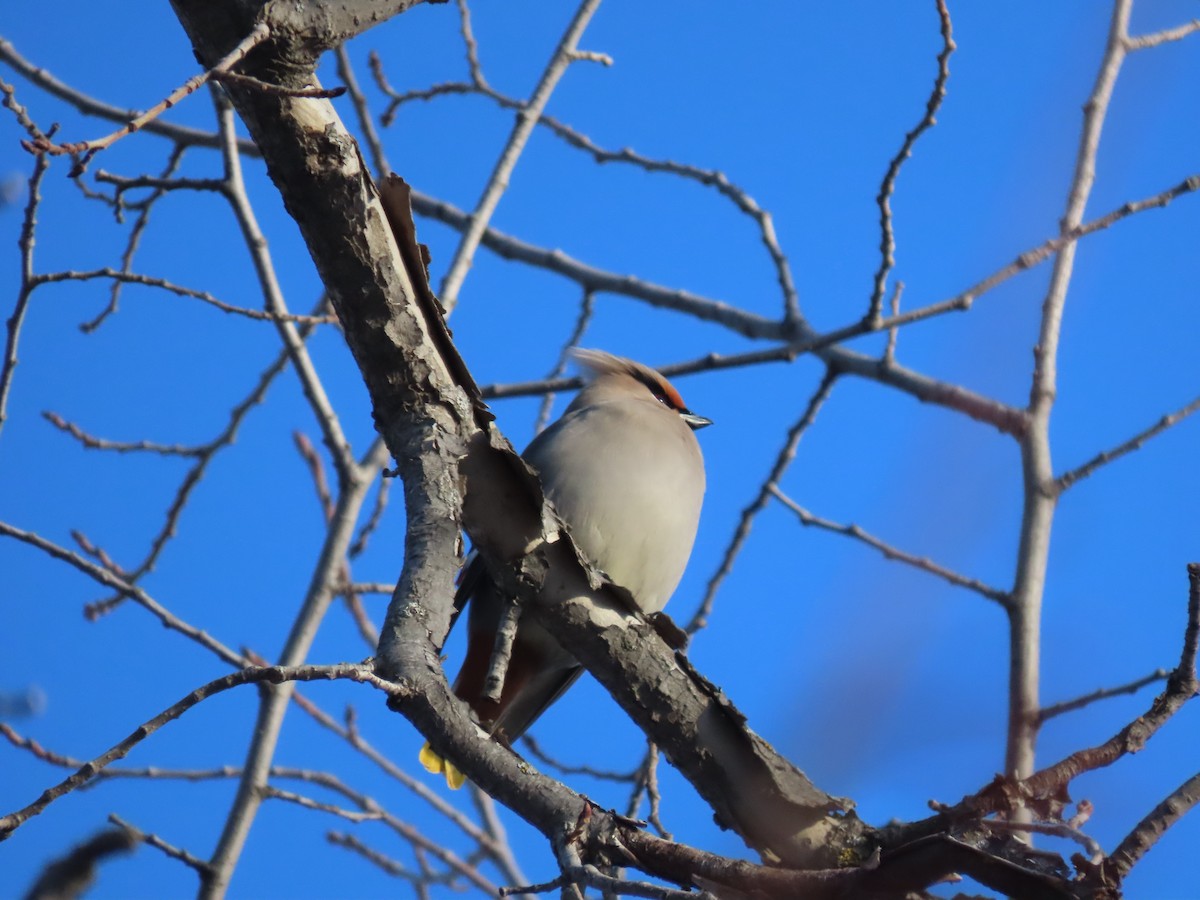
pixel 663 393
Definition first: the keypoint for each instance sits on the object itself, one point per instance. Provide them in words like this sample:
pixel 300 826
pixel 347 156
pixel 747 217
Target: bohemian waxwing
pixel 624 472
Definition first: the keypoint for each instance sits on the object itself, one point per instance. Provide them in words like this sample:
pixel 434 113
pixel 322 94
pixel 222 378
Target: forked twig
pixel 87 149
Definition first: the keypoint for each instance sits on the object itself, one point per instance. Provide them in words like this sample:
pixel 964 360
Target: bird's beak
pixel 694 421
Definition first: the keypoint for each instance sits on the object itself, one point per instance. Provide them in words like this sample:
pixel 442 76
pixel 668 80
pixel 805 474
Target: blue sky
pixel 882 683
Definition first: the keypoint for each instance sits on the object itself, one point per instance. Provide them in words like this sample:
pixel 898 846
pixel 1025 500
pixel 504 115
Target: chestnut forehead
pixel 658 385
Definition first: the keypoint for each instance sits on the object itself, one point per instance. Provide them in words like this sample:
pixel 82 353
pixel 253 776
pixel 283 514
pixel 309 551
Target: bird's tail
pixel 439 765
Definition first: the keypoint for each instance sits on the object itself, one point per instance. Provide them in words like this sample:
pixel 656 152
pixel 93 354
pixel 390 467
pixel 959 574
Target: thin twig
pixel 195 474
pixel 535 750
pixel 890 552
pixel 97 443
pixel 713 178
pixel 373 520
pixel 345 589
pixel 107 578
pixel 472 48
pixel 135 234
pixel 587 306
pixel 153 840
pixel 1058 709
pixel 649 776
pixel 498 847
pixel 359 743
pixel 386 863
pixel 317 472
pixel 369 810
pixel 1145 41
pixel 1069 478
pixel 28 283
pixel 782 460
pixel 160 184
pixel 362 111
pixel 10 103
pixel 181 134
pixel 181 291
pixel 370 587
pixel 331 428
pixel 87 149
pixel 887 239
pixel 498 181
pixel 358 816
pixel 360 672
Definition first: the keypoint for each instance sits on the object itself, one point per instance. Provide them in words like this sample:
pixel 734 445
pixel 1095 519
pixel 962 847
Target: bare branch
pixel 587 306
pixel 1040 497
pixel 1145 41
pixel 1148 831
pixel 498 182
pixel 88 149
pixel 331 428
pixel 361 111
pixel 194 475
pixel 181 134
pixel 153 840
pixel 135 235
pixel 887 240
pixel 273 704
pixel 541 755
pixel 109 579
pixel 1058 709
pixel 1182 685
pixel 356 740
pixel 784 459
pixel 95 443
pixel 150 281
pixel 472 48
pixel 372 523
pixel 918 562
pixel 386 863
pixel 1069 478
pixel 371 811
pixel 252 675
pixel 708 177
pixel 1004 795
pixel 17 319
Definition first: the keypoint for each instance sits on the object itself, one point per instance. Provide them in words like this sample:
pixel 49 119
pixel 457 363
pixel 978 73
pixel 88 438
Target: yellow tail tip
pixel 438 765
